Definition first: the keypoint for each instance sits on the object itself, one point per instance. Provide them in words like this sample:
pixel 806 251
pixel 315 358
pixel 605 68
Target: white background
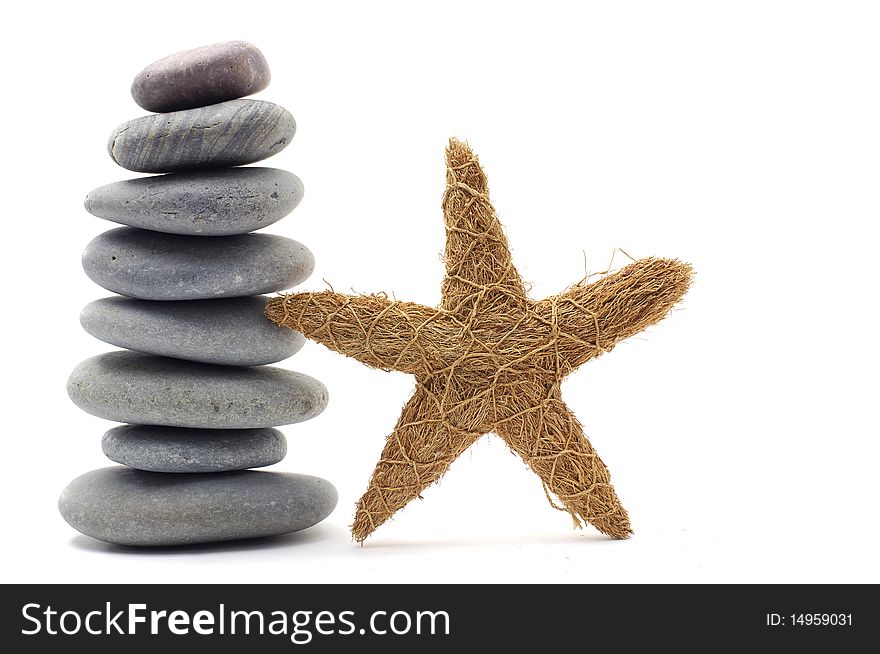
pixel 743 137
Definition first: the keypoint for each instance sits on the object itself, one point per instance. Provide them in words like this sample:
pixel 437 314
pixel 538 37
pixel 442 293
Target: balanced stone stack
pixel 200 404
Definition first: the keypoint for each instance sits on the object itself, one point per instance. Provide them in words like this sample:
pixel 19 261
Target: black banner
pixel 429 618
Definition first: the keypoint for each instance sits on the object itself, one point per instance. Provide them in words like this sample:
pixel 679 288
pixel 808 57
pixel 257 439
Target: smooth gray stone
pixel 205 75
pixel 209 203
pixel 232 331
pixel 132 507
pixel 151 390
pixel 178 449
pixel 154 266
pixel 227 134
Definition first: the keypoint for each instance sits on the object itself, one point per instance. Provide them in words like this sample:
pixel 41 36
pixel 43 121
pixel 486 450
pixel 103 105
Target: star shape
pixel 489 359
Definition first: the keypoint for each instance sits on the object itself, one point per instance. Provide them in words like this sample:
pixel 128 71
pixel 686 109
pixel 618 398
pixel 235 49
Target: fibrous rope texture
pixel 489 359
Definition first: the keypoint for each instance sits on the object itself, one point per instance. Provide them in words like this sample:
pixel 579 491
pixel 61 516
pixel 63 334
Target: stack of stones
pixel 200 404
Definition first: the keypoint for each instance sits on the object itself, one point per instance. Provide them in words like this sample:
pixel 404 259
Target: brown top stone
pixel 201 76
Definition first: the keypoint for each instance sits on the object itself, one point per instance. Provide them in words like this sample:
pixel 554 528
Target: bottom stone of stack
pixel 157 448
pixel 131 507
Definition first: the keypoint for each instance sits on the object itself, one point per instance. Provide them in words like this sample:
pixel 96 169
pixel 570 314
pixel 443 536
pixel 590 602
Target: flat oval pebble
pixel 151 390
pixel 132 507
pixel 178 449
pixel 205 75
pixel 155 266
pixel 216 202
pixel 230 133
pixel 232 331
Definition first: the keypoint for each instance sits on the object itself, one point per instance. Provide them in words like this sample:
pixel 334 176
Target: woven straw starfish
pixel 489 359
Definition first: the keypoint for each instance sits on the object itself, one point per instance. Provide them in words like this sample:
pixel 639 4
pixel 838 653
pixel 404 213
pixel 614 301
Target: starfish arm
pixel 480 274
pixel 379 332
pixel 550 440
pixel 417 453
pixel 588 320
